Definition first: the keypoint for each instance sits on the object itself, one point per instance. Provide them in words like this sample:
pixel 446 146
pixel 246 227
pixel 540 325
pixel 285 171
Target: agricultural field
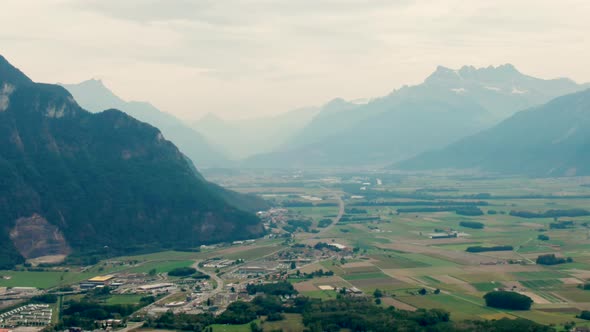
pixel 390 223
pixel 411 237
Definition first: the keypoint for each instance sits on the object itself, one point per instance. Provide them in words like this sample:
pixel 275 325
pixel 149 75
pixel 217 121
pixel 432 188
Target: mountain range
pixel 94 96
pixel 548 140
pixel 81 183
pixel 447 106
pixel 247 137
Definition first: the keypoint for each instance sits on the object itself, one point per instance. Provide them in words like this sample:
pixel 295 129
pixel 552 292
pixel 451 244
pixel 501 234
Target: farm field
pixel 390 235
pixel 399 256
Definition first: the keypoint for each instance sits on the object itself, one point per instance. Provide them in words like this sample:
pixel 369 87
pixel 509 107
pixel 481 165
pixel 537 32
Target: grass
pixel 485 286
pixel 361 269
pixel 165 255
pixel 362 276
pixel 429 279
pixel 575 294
pixel 321 294
pixel 253 253
pixel 41 280
pixel 161 266
pixel 291 323
pixel 392 261
pixel 231 328
pixel 541 284
pixel 124 299
pixel 460 308
pixel 538 275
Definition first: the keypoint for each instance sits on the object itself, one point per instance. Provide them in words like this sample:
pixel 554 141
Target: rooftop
pixel 102 278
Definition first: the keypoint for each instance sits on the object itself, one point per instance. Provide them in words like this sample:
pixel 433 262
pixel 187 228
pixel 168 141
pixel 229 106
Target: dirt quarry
pixel 35 237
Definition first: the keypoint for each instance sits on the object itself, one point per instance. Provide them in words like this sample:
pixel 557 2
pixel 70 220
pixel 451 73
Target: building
pixel 338 246
pixel 442 235
pixel 156 287
pixel 355 291
pixel 255 270
pixel 35 315
pixel 101 280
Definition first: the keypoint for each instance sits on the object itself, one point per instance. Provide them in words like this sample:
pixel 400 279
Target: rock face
pixel 35 237
pixel 103 180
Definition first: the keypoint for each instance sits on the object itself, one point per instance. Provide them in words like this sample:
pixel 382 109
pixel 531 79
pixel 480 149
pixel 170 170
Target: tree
pixel 254 327
pixel 182 271
pixel 293 266
pixel 568 326
pixel 585 314
pixel 423 291
pixel 378 301
pixel 437 291
pixel 551 259
pixel 378 293
pixel 152 272
pixel 508 300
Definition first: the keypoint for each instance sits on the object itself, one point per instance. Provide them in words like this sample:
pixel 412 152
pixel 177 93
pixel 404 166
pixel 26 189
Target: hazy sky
pixel 245 58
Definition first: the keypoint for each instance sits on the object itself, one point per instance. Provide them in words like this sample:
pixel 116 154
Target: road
pixel 213 276
pixel 337 219
pixel 131 326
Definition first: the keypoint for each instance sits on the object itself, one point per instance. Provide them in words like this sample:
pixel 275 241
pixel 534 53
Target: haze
pixel 241 59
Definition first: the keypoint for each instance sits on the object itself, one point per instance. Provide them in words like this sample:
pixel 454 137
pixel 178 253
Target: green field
pixel 252 253
pixel 231 328
pixel 124 299
pixel 485 286
pixel 42 280
pixel 395 261
pixel 321 294
pixel 541 284
pixel 161 266
pixel 540 275
pixel 291 323
pixel 363 276
pixel 388 244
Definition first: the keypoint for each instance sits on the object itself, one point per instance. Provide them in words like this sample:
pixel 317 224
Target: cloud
pixel 239 57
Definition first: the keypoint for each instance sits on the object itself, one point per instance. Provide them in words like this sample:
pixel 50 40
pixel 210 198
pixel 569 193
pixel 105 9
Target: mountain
pixel 327 122
pixel 243 138
pixel 448 105
pixel 548 140
pixel 94 96
pixel 81 183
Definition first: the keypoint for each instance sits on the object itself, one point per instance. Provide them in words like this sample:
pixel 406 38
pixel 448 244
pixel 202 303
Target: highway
pixel 337 219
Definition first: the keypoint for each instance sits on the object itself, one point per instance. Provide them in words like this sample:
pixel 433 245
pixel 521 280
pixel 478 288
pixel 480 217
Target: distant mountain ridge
pixel 81 183
pixel 548 140
pixel 94 96
pixel 243 138
pixel 448 105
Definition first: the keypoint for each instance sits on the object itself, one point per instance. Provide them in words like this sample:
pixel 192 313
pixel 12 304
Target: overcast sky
pixel 245 58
